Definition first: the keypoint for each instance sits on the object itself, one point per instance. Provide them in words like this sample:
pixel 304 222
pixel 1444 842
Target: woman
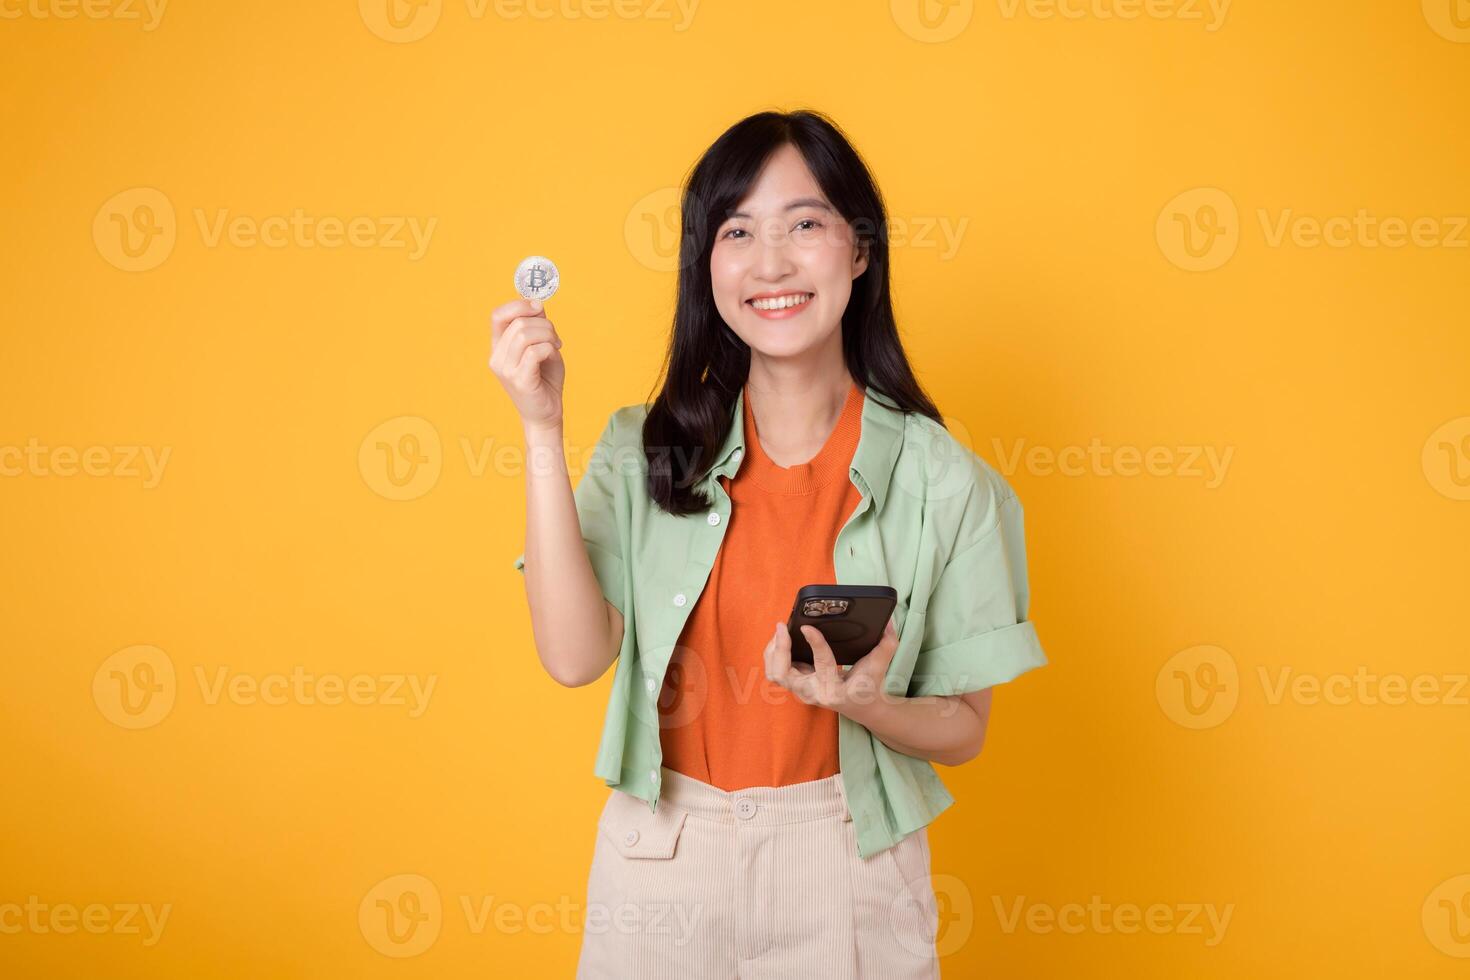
pixel 768 818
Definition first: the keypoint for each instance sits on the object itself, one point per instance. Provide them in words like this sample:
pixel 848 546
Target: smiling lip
pixel 784 312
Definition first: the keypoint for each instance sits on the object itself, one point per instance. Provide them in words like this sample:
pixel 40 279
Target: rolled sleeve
pixel 598 505
pixel 976 633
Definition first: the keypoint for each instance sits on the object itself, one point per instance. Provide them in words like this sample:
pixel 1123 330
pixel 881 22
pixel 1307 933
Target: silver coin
pixel 537 278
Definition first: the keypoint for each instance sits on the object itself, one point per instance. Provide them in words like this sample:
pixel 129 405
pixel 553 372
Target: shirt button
pixel 737 455
pixel 713 519
pixel 653 775
pixel 630 838
pixel 651 684
pixel 745 808
pixel 679 599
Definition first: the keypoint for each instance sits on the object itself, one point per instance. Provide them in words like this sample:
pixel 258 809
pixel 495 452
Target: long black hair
pixel 707 363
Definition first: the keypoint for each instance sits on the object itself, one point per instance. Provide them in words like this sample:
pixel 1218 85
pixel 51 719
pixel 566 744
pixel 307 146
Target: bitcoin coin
pixel 537 278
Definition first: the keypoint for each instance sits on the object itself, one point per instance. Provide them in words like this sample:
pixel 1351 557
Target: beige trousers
pixel 758 883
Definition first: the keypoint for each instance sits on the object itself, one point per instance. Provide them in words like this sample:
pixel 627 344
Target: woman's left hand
pixel 823 682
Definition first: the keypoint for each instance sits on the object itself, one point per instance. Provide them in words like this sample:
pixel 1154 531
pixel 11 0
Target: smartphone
pixel 851 617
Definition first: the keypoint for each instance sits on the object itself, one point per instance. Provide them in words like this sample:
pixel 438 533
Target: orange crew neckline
pixel 830 462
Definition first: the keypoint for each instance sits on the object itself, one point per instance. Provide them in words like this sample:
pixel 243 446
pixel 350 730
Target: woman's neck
pixel 796 409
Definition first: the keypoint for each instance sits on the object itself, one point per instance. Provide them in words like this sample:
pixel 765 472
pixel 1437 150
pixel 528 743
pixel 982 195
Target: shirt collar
pixel 872 461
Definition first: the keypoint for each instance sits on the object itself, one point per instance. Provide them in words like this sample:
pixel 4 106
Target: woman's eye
pixel 809 221
pixel 733 231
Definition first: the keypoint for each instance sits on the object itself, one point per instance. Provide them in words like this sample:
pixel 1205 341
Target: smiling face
pixel 783 263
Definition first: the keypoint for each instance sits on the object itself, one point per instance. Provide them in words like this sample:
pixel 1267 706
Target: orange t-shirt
pixel 721 721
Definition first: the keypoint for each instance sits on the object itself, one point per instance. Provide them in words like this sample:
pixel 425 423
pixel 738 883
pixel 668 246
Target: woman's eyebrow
pixel 800 202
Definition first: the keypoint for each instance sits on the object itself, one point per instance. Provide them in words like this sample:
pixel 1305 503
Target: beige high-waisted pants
pixel 758 883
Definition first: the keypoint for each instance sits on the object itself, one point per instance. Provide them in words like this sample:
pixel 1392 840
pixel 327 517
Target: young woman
pixel 767 819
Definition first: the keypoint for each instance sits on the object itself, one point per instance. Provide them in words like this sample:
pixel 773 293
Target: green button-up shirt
pixel 935 521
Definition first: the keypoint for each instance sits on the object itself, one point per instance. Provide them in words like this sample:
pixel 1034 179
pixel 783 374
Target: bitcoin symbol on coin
pixel 537 278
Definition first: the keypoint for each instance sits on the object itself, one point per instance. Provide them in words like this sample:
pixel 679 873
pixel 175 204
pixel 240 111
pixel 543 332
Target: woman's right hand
pixel 525 355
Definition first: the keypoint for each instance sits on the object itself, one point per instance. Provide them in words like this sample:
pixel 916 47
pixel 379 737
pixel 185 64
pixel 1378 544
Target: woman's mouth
pixel 779 306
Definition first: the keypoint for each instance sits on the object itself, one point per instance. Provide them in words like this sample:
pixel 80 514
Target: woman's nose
pixel 773 255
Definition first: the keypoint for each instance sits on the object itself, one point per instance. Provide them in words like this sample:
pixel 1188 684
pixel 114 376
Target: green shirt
pixel 935 521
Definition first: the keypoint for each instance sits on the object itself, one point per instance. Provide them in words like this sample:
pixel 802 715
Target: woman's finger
pixel 778 656
pixel 824 661
pixel 502 316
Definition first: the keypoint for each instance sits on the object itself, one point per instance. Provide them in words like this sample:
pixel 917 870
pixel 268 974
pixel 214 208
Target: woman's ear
pixel 860 259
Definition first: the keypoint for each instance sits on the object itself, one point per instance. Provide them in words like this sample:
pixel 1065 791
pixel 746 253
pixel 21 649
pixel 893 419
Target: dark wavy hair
pixel 707 363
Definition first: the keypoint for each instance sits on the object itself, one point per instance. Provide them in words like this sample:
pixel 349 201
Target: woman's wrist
pixel 545 433
pixel 872 710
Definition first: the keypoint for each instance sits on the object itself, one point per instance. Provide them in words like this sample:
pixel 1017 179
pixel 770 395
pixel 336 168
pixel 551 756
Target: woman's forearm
pixel 571 621
pixel 949 730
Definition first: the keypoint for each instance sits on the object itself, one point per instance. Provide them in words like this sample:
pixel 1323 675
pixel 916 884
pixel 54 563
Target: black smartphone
pixel 851 617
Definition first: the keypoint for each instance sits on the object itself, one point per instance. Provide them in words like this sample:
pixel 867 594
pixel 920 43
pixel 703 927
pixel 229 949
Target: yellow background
pixel 1335 543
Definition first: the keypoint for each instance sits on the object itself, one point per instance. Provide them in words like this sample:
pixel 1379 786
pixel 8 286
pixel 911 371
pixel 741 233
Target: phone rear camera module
pixel 824 607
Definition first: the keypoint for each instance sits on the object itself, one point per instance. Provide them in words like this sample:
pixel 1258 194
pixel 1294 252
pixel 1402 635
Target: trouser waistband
pixel 794 803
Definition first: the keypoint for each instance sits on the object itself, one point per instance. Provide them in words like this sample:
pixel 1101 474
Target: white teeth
pixel 781 302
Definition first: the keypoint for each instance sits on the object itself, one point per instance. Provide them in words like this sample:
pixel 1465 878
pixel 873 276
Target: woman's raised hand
pixel 525 354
